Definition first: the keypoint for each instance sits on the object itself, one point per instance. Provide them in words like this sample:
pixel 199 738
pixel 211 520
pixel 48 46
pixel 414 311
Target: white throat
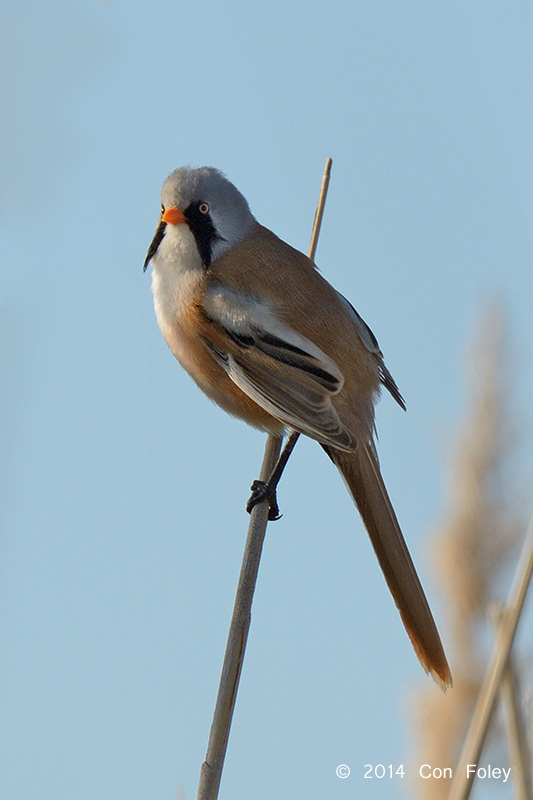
pixel 177 277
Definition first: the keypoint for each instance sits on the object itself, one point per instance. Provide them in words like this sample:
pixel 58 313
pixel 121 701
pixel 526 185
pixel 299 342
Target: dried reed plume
pixel 472 553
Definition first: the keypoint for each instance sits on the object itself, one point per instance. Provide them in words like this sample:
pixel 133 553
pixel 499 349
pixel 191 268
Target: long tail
pixel 361 472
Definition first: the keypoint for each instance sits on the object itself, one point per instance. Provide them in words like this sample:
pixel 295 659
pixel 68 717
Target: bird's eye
pixel 203 208
pixel 162 209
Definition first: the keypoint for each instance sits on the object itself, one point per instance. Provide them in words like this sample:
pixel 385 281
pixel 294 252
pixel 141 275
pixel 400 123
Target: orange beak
pixel 173 215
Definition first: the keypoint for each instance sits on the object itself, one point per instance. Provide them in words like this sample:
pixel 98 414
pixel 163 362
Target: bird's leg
pixel 262 490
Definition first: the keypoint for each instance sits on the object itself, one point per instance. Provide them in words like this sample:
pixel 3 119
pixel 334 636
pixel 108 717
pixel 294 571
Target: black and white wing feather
pixel 371 344
pixel 281 370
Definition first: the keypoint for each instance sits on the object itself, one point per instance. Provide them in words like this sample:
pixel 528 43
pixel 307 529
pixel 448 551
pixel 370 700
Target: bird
pixel 269 340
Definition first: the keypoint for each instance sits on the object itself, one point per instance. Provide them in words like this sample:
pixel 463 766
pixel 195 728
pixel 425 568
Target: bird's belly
pixel 176 304
pixel 174 297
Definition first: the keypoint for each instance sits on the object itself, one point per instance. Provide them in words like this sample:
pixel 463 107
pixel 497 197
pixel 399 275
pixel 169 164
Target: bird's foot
pixel 264 491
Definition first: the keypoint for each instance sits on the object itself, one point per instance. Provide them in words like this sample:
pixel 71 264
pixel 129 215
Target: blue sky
pixel 123 496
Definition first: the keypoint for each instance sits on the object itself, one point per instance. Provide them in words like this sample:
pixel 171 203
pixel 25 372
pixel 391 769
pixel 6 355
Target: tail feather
pixel 361 472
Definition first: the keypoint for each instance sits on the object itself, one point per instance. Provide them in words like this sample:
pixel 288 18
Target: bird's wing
pixel 281 370
pixel 371 344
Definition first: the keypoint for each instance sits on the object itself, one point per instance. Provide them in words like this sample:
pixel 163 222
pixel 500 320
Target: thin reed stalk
pixel 516 732
pixel 211 770
pixel 474 552
pixel 464 778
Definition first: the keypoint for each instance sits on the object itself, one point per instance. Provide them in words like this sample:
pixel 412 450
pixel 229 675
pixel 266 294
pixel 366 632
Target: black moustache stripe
pixel 156 241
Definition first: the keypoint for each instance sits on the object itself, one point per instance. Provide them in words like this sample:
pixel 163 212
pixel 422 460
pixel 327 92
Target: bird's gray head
pixel 215 211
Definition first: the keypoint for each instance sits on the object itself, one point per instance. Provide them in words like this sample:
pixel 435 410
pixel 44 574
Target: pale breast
pixel 178 281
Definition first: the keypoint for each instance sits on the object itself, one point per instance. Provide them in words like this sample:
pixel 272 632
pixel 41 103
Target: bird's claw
pixel 263 491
